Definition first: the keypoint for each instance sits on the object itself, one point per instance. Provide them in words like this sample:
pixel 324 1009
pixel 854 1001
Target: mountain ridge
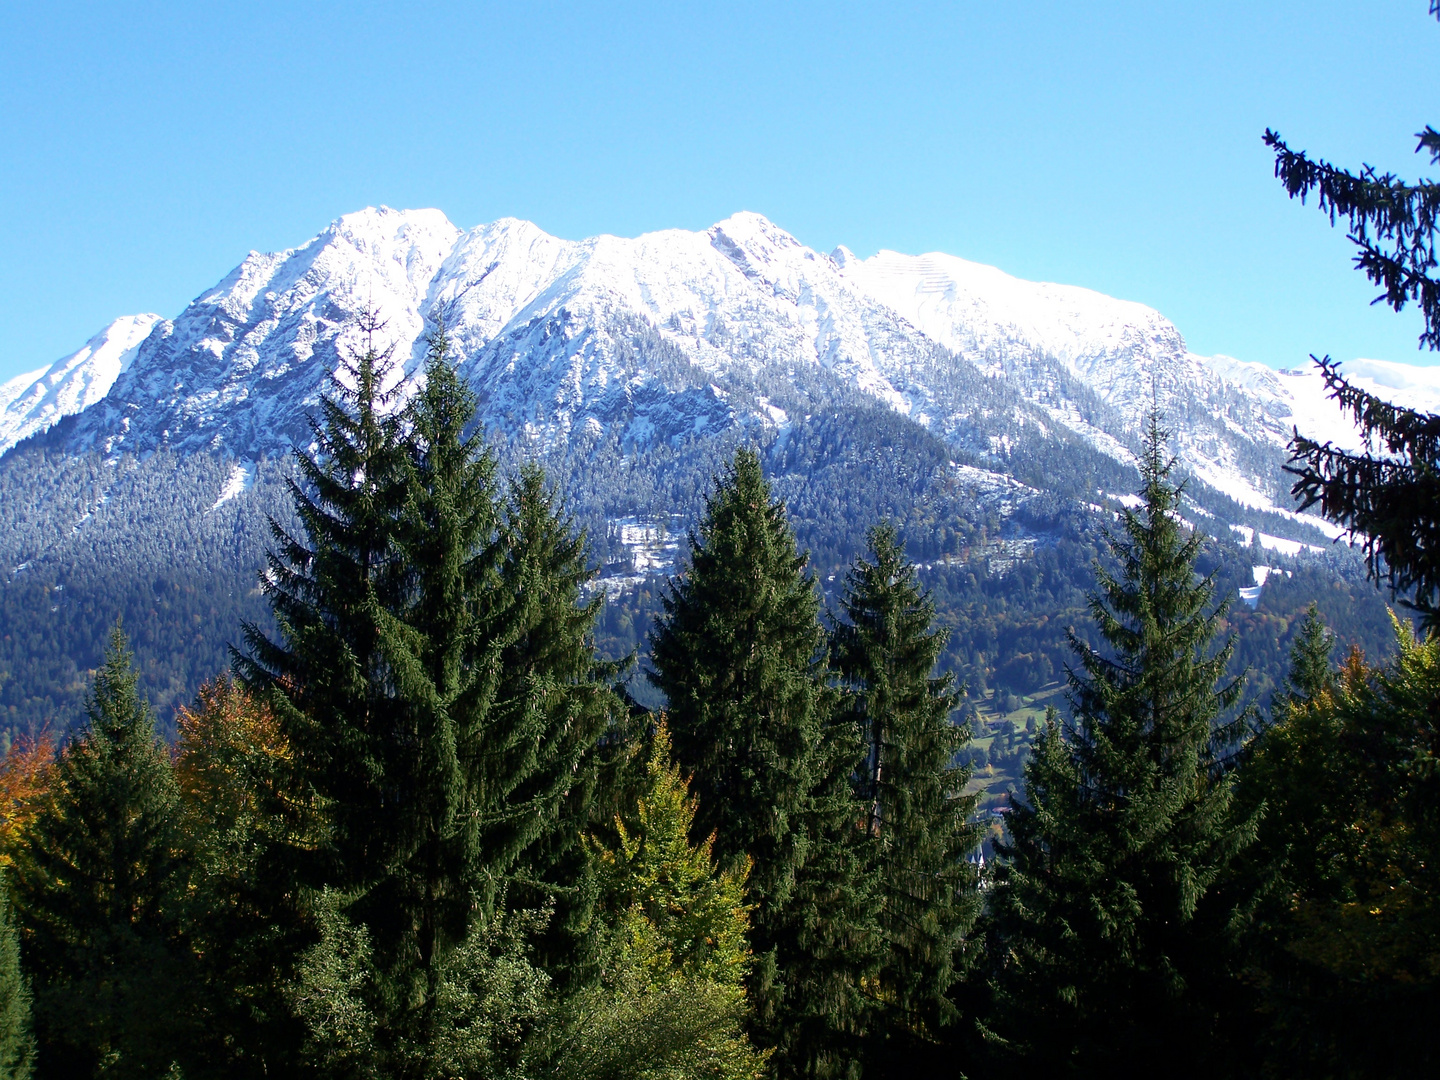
pixel 991 419
pixel 545 329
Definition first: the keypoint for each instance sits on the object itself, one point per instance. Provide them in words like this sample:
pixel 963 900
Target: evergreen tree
pixel 97 891
pixel 326 676
pixel 1311 673
pixel 383 666
pixel 1389 498
pixel 738 655
pixel 441 647
pixel 1110 923
pixel 17 1041
pixel 885 653
pixel 557 710
pixel 451 740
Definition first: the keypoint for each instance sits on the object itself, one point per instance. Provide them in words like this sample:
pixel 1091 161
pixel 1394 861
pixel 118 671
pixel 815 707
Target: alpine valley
pixel 993 419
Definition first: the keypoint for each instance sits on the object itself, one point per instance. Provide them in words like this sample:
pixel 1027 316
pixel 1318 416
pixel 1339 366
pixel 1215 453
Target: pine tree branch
pixel 1390 502
pixel 1392 223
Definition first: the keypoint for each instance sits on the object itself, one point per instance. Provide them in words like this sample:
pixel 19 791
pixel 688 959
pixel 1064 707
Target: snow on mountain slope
pixel 1297 400
pixel 970 307
pixel 240 367
pixel 554 334
pixel 1228 417
pixel 37 400
pixel 1318 417
pixel 743 296
pixel 673 334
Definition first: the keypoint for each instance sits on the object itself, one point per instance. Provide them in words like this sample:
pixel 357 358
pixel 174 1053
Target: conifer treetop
pixel 1157 618
pixel 115 707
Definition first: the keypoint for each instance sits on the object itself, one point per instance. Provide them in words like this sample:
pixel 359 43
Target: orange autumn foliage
pixel 25 777
pixel 230 747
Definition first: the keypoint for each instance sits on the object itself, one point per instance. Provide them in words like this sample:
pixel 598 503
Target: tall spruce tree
pixel 326 676
pixel 97 885
pixel 441 646
pixel 1326 767
pixel 557 711
pixel 1108 922
pixel 451 734
pixel 885 652
pixel 17 1039
pixel 738 654
pixel 383 668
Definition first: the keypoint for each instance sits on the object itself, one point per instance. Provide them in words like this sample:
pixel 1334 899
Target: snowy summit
pixel 664 336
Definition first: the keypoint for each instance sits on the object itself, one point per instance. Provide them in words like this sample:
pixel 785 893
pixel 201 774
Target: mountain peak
pixel 382 218
pixel 36 401
pixel 754 231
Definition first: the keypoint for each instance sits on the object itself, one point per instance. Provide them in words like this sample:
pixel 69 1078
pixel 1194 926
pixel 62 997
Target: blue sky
pixel 145 148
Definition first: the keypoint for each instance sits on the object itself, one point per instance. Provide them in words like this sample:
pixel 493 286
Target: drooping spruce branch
pixel 1388 497
pixel 1391 222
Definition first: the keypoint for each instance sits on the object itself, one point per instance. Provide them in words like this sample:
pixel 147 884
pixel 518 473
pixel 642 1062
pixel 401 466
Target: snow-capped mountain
pixel 992 419
pixel 674 334
pixel 37 400
pixel 1229 417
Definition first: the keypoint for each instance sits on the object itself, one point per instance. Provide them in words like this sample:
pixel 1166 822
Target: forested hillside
pixel 424 830
pixel 88 539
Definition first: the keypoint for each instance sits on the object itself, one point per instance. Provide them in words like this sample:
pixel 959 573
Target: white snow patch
pixel 1260 574
pixel 1244 493
pixel 987 480
pixel 241 478
pixel 777 414
pixel 1134 502
pixel 1276 543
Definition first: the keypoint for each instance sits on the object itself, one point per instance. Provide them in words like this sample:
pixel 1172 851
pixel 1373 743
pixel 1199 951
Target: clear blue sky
pixel 145 148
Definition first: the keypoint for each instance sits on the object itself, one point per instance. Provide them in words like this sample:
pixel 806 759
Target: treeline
pixel 423 831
